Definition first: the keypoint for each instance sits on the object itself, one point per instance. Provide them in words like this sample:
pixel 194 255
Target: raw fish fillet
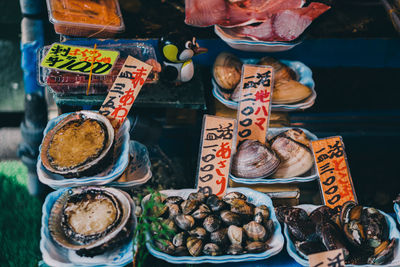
pixel 285 25
pixel 204 13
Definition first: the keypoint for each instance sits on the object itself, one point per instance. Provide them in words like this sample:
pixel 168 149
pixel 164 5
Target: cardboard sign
pixel 255 102
pixel 335 179
pixel 331 258
pixel 218 136
pixel 79 59
pixel 124 91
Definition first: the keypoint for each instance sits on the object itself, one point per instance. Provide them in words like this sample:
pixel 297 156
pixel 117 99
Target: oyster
pixel 227 71
pixel 78 145
pixel 89 219
pixel 289 92
pixel 296 159
pixel 253 160
pixel 281 71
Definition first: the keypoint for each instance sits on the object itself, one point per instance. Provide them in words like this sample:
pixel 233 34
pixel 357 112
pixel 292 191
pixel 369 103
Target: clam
pixel 165 246
pixel 215 203
pixel 170 224
pixel 263 210
pixel 254 159
pixel 281 71
pixel 234 249
pixel 199 196
pixel 194 246
pixel 202 212
pixel 181 251
pixel 235 96
pixel 235 234
pixel 227 71
pixel 198 232
pixel 79 145
pixel 91 219
pixel 230 218
pixel 173 200
pixel 173 210
pixel 255 231
pixel 184 221
pixel 212 249
pixel 189 205
pixel 179 239
pixel 256 247
pixel 296 159
pixel 297 135
pixel 212 223
pixel 258 218
pixel 219 237
pixel 241 207
pixel 233 195
pixel 289 92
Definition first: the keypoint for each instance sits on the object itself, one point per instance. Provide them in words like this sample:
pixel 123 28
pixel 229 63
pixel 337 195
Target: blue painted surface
pixel 28 65
pixel 368 53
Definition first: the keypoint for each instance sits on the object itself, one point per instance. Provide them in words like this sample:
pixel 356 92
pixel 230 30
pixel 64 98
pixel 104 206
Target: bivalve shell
pixel 289 92
pixel 254 160
pixel 227 71
pixel 255 231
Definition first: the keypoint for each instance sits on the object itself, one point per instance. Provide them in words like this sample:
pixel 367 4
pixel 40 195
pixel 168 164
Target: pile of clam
pixel 227 73
pixel 286 155
pixel 92 220
pixel 208 225
pixel 361 232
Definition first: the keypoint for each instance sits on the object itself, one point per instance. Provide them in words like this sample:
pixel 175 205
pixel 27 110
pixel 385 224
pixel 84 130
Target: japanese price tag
pixel 334 174
pixel 331 258
pixel 79 59
pixel 124 91
pixel 255 102
pixel 218 135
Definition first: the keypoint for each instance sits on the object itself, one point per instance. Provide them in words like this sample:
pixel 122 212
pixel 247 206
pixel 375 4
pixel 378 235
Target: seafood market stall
pixel 213 132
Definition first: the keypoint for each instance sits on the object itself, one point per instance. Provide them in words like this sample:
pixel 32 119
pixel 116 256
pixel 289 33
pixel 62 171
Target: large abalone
pixel 78 145
pixel 89 219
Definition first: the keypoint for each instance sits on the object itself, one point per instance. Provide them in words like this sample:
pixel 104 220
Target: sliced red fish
pixel 231 13
pixel 285 25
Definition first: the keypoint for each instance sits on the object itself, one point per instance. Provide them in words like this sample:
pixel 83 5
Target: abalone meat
pixel 78 145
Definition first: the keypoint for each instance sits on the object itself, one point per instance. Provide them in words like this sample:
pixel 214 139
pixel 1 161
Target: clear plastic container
pixel 71 83
pixel 88 18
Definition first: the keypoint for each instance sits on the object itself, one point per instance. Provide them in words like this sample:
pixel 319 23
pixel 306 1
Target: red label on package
pixel 218 136
pixel 331 258
pixel 124 91
pixel 255 102
pixel 334 174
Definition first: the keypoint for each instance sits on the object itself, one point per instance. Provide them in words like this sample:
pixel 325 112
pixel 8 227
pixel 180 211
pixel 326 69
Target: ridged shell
pixel 202 212
pixel 219 237
pixel 165 246
pixel 56 216
pixel 233 195
pixel 198 232
pixel 296 159
pixel 256 247
pixel 255 231
pixel 295 134
pixel 242 207
pixel 212 223
pixel 197 196
pixel 194 246
pixel 289 92
pixel 184 221
pixel 263 210
pixel 173 200
pixel 234 249
pixel 179 239
pixel 215 203
pixel 230 218
pixel 227 71
pixel 254 160
pixel 188 206
pixel 235 234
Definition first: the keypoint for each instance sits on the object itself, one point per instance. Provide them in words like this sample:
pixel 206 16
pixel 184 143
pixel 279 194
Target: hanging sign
pixel 79 59
pixel 218 136
pixel 124 91
pixel 255 102
pixel 331 258
pixel 334 174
